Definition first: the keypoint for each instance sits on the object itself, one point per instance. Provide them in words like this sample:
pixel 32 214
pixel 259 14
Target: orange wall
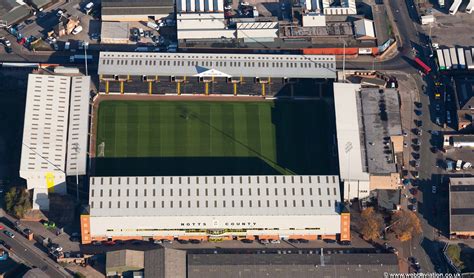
pixel 336 51
pixel 85 229
pixel 345 226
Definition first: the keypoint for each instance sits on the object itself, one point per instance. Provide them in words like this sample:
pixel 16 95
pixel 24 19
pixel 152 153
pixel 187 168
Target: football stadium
pixel 218 153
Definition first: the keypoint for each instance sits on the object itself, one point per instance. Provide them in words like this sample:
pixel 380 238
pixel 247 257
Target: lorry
pixel 447 58
pixel 441 63
pixel 80 58
pixel 425 67
pixel 462 59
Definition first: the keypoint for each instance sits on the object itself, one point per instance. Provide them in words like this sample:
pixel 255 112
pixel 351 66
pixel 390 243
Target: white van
pixel 88 7
pixel 77 30
pixel 140 31
pixel 141 49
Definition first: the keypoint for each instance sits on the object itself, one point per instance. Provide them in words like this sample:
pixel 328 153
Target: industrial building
pixel 138 10
pixel 461 209
pixel 12 11
pixel 215 208
pixel 55 132
pixel 464 99
pixel 369 138
pixel 171 263
pixel 198 73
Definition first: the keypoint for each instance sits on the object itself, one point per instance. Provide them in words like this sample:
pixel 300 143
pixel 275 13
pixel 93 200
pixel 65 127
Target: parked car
pixel 246 240
pixel 345 242
pixel 437 107
pixel 292 240
pixel 183 241
pixel 96 243
pixel 438 120
pixel 29 21
pixel 141 32
pixel 264 241
pixel 9 234
pixel 195 241
pixel 433 189
pixel 274 241
pixel 327 240
pixel 302 240
pixel 77 30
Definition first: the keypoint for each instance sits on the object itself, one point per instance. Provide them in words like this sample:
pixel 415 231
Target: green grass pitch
pixel 211 137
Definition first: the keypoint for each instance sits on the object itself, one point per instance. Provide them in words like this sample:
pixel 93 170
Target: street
pixel 31 255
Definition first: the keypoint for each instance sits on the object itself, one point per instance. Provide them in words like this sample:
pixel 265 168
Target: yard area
pixel 213 138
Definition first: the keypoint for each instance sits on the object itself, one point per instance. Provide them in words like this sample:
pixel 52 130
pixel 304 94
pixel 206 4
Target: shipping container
pixel 461 58
pixel 447 59
pixel 441 63
pixel 468 55
pixel 454 57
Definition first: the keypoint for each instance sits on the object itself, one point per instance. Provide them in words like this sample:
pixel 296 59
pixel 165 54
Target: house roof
pixel 291 265
pixel 12 12
pixel 364 28
pixel 461 208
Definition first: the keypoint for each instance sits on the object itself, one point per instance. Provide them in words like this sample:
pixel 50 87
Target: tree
pixel 454 253
pixel 405 224
pixel 371 224
pixel 17 202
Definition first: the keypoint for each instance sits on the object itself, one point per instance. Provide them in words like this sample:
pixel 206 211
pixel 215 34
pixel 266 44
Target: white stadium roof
pixel 56 119
pixel 348 126
pixel 214 196
pixel 218 65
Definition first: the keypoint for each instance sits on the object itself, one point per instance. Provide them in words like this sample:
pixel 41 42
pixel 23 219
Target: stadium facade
pixel 215 208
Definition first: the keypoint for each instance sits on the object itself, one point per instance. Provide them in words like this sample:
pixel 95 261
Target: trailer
pixel 454 57
pixel 462 59
pixel 455 7
pixel 441 63
pixel 470 7
pixel 447 58
pixel 468 55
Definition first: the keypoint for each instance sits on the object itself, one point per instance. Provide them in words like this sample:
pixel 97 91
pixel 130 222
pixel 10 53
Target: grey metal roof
pixel 134 7
pixel 124 260
pixel 461 208
pixel 194 64
pixel 381 116
pixel 11 12
pixel 40 3
pixel 388 198
pixel 165 263
pixel 214 196
pixel 291 265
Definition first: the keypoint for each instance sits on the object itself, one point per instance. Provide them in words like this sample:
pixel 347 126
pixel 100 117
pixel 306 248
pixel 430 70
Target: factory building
pixel 215 208
pixel 55 133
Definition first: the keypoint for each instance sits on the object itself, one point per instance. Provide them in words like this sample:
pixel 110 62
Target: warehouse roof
pixel 380 111
pixel 224 65
pixel 133 7
pixel 461 209
pixel 214 195
pixel 364 29
pixel 291 265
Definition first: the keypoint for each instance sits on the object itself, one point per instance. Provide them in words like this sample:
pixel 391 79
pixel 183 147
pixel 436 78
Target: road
pixel 31 255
